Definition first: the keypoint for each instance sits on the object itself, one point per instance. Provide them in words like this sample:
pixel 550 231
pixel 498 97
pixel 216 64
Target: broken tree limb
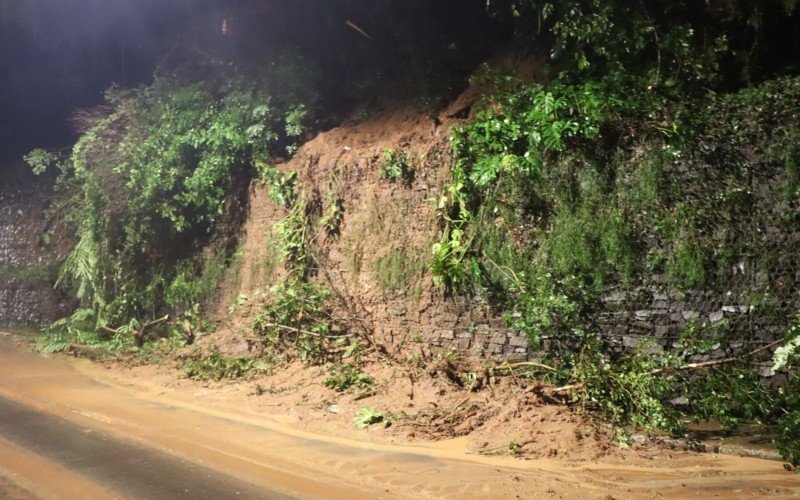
pixel 188 332
pixel 306 332
pixel 109 330
pixel 686 367
pixel 531 364
pixel 139 335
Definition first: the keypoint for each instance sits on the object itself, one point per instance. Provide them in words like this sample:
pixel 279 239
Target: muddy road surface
pixel 68 431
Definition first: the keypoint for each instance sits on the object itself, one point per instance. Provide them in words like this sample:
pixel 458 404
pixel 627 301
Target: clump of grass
pixel 396 270
pixel 345 376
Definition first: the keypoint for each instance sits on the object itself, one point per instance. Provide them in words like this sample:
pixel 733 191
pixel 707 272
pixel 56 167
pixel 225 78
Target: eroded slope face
pixel 376 260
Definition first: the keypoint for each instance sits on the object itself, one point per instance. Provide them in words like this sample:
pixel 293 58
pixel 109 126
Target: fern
pixel 53 343
pixel 80 268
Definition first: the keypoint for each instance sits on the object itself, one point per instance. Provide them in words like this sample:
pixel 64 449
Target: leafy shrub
pixel 367 417
pixel 149 180
pixel 447 259
pixel 217 367
pixel 82 328
pixel 562 191
pixel 294 237
pixel 283 186
pixel 41 160
pixel 787 359
pixel 299 316
pixel 334 212
pixel 397 165
pixel 345 376
pixel 628 391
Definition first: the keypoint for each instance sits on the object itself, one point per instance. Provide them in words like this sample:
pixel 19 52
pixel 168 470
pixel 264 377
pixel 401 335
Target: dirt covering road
pixel 69 429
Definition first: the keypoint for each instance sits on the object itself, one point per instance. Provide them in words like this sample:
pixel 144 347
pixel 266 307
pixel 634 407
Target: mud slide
pixel 68 431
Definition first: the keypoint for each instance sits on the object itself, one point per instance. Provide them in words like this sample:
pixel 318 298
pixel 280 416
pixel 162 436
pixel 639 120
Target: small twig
pixel 456 407
pixel 511 371
pixel 364 395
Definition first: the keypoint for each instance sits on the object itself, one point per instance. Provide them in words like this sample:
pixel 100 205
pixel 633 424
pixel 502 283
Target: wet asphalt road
pixel 124 467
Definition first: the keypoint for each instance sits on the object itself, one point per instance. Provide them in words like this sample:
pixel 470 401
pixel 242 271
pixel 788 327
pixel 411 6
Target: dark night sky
pixel 59 55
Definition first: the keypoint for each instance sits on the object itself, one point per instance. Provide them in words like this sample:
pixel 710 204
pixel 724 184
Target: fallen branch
pixel 109 330
pixel 687 367
pixel 189 332
pixel 511 366
pixel 139 335
pixel 306 332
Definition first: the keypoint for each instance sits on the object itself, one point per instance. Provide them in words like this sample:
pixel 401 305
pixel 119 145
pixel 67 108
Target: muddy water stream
pixel 68 431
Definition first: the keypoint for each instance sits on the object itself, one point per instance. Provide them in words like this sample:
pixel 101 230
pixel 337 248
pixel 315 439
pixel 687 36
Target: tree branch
pixel 687 367
pixel 306 332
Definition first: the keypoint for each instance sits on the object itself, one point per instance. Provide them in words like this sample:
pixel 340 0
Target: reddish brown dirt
pixel 501 420
pixel 414 388
pixel 382 217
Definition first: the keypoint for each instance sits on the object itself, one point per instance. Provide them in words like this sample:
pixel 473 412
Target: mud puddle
pixel 191 432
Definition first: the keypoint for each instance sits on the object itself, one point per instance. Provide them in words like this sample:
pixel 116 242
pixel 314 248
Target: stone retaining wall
pixel 27 264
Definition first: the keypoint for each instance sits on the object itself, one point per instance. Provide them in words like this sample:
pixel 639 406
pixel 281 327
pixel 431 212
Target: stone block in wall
pixel 676 317
pixel 662 331
pixel 736 309
pixel 616 297
pixel 448 318
pixel 630 341
pixel 516 357
pixel 518 342
pixel 689 315
pixel 498 338
pixel 716 316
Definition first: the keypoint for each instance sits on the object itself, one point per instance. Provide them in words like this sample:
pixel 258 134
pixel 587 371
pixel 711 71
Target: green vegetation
pixel 623 165
pixel 397 166
pixel 345 376
pixel 80 334
pixel 40 272
pixel 367 417
pixel 787 360
pixel 334 207
pixel 154 179
pixel 634 163
pixel 299 316
pixel 398 269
